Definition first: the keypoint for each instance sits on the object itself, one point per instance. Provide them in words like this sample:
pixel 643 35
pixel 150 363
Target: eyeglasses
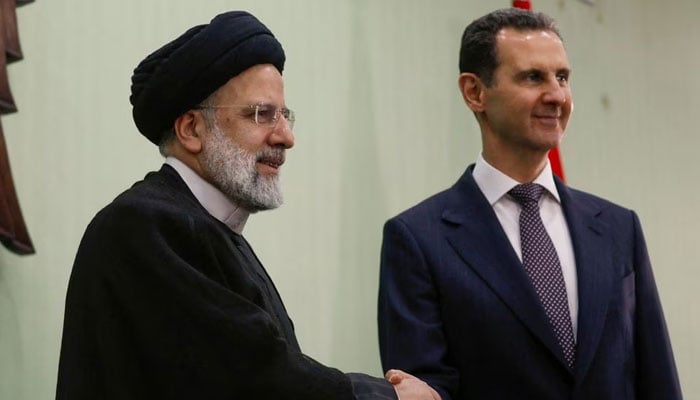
pixel 263 114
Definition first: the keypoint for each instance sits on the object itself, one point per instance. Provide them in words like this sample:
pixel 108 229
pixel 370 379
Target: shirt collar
pixel 495 184
pixel 211 198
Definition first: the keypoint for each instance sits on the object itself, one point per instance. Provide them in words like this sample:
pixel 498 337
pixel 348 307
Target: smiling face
pixel 239 156
pixel 524 112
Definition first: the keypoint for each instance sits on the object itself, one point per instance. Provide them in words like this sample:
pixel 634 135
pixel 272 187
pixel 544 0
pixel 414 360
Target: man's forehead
pixel 524 37
pixel 524 48
pixel 259 81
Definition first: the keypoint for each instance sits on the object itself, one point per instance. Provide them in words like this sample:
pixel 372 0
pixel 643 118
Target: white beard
pixel 232 170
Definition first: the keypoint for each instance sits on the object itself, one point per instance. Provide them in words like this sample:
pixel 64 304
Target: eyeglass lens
pixel 267 114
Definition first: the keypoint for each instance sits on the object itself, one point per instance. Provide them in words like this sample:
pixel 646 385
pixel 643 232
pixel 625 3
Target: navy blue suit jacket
pixel 457 309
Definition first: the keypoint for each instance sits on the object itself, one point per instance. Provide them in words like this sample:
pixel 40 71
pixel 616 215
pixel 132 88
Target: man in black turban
pixel 166 299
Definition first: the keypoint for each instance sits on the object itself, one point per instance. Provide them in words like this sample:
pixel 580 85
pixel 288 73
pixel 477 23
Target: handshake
pixel 408 387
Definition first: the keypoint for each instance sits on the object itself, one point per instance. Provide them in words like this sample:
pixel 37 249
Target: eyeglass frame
pixel 290 116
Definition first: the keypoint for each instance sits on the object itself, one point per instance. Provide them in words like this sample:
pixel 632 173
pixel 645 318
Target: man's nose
pixel 556 92
pixel 282 134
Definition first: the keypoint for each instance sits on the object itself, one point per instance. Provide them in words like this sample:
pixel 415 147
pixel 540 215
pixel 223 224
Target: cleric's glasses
pixel 263 114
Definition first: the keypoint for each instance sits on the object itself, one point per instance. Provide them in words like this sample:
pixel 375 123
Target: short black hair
pixel 477 53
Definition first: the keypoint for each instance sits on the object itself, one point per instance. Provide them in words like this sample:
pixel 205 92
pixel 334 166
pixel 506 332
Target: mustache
pixel 272 155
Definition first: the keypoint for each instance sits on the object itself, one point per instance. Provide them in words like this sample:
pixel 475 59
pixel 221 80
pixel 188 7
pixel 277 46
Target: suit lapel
pixel 473 230
pixel 593 252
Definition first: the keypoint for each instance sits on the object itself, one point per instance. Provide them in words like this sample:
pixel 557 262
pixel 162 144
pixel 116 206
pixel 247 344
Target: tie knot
pixel 527 193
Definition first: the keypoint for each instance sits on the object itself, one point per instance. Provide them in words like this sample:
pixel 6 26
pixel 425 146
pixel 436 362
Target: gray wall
pixel 380 126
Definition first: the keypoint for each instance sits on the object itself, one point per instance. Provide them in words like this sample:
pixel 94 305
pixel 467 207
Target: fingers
pixel 408 387
pixel 395 376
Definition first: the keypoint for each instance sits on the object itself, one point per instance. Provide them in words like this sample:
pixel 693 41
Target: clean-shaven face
pixel 529 104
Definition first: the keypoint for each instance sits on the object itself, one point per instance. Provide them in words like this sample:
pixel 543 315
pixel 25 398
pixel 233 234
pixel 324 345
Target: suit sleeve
pixel 160 307
pixel 410 327
pixel 656 375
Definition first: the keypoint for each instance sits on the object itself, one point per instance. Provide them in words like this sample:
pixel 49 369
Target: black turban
pixel 179 75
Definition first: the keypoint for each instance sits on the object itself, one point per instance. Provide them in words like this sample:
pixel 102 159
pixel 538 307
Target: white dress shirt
pixel 211 198
pixel 495 185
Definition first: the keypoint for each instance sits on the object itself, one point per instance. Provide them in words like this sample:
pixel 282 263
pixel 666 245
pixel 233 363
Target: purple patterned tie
pixel 543 267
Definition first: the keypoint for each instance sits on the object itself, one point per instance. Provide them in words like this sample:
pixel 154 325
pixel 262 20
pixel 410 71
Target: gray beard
pixel 232 170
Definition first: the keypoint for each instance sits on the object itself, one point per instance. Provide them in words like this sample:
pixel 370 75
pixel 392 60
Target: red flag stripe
pixel 524 4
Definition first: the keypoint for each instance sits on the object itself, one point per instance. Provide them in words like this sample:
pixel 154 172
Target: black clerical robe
pixel 166 302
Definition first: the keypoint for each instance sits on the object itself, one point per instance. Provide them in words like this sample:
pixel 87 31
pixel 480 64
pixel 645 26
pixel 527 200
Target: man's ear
pixel 472 89
pixel 189 130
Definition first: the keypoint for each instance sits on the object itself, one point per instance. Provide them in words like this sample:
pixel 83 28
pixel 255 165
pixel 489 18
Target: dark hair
pixel 477 53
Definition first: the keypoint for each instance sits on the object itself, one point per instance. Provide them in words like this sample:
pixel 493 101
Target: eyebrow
pixel 524 73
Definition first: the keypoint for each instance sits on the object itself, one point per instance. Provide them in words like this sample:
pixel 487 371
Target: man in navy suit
pixel 458 309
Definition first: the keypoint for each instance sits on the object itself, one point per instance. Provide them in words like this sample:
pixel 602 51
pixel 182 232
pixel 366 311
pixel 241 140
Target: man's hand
pixel 408 387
